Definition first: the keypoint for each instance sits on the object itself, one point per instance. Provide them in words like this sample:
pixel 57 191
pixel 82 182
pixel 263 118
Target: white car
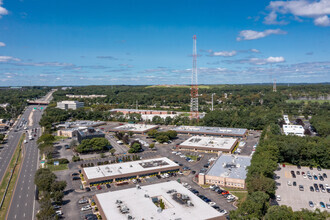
pixel 85 208
pixel 289 183
pixel 278 198
pixel 212 203
pixel 174 152
pixel 185 184
pixel 178 153
pixel 223 211
pixel 166 175
pixel 305 176
pixel 58 212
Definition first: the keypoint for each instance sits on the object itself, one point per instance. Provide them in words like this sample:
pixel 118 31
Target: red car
pixel 283 165
pixel 99 187
pixel 225 193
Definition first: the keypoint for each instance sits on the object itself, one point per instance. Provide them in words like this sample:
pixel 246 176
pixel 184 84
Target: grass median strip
pixel 16 159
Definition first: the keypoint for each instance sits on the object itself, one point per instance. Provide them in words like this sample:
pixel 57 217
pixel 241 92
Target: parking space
pixel 304 186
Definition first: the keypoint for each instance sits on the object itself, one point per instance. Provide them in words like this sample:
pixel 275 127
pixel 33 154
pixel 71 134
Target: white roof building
pixel 286 119
pixel 140 203
pixel 294 130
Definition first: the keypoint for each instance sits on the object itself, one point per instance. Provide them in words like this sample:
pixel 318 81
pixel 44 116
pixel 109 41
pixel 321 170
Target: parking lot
pixel 292 196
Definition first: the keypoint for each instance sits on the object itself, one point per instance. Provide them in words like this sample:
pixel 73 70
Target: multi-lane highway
pixel 7 150
pixel 23 200
pixel 22 204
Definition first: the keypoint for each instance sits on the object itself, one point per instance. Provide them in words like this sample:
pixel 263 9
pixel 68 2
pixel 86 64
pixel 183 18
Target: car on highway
pixel 86 208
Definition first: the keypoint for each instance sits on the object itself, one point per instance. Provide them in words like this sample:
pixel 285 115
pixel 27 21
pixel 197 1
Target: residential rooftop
pixel 211 130
pixel 138 203
pixel 231 166
pixel 216 143
pixel 128 167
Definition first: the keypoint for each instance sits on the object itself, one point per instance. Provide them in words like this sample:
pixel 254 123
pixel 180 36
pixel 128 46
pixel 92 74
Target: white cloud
pixel 253 35
pixel 3 11
pixel 2 44
pixel 224 53
pixel 322 21
pixel 56 64
pixel 4 59
pixel 255 50
pixel 318 10
pixel 275 59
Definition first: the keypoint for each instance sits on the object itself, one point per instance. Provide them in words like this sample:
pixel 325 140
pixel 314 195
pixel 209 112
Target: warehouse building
pixel 65 105
pixel 129 170
pixel 227 171
pixel 209 144
pixel 89 133
pixel 214 131
pixel 297 130
pixel 135 128
pixel 142 202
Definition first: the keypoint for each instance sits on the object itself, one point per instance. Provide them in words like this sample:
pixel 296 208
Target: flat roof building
pixel 209 143
pixel 136 128
pixel 286 119
pixel 143 203
pixel 65 105
pixel 142 112
pixel 214 131
pixel 294 130
pixel 128 170
pixel 89 133
pixel 75 124
pixel 228 171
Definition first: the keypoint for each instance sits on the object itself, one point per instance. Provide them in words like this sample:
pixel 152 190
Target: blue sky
pixel 60 42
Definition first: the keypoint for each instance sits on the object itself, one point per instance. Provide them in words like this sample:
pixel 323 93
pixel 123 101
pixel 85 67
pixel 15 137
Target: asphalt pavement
pixel 7 150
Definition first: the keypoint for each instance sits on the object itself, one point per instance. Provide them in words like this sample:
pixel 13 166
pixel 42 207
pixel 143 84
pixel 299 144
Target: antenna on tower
pixel 274 86
pixel 194 85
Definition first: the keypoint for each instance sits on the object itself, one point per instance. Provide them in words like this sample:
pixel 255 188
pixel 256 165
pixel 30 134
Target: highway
pixel 22 204
pixel 23 200
pixel 7 150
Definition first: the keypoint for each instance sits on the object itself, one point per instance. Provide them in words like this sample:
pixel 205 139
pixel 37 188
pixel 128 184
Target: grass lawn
pixel 241 196
pixel 57 138
pixel 57 168
pixel 232 189
pixel 193 157
pixel 4 209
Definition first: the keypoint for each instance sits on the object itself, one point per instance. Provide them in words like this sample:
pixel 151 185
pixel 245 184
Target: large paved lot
pixel 292 196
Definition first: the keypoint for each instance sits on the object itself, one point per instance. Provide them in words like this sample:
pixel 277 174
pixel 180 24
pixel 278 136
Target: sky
pixel 148 42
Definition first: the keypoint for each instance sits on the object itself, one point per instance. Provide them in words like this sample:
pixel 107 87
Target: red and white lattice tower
pixel 194 85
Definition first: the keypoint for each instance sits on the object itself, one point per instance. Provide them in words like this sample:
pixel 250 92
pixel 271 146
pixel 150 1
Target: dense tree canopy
pixel 94 144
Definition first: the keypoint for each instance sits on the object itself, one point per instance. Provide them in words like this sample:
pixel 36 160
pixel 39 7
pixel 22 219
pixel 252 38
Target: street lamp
pixel 212 100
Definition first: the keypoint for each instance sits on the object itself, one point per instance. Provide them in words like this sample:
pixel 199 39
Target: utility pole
pixel 212 101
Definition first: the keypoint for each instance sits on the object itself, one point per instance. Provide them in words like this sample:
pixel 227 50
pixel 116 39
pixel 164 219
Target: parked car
pixel 76 178
pixel 318 168
pixel 311 204
pixel 56 207
pixel 322 204
pixel 87 189
pixel 328 205
pixel 325 175
pixel 108 186
pixel 294 183
pixel 99 187
pixel 301 187
pixel 321 178
pixel 86 208
pixel 315 177
pixel 298 172
pixel 289 183
pixel 311 188
pixel 278 198
pixel 82 201
pixel 75 174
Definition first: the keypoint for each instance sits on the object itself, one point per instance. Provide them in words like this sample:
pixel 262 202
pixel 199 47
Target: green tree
pixel 152 133
pixel 44 179
pixel 58 186
pixel 279 213
pixel 162 138
pixel 112 151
